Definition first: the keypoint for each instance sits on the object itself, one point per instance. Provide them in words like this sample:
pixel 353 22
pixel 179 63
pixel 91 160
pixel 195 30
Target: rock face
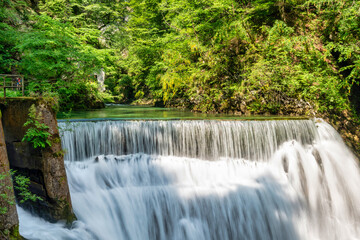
pixel 9 223
pixel 44 166
pixel 348 128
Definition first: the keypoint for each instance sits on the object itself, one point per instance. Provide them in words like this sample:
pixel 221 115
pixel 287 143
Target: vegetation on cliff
pixel 251 56
pixel 37 132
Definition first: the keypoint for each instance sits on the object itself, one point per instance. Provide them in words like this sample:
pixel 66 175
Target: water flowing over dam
pixel 288 179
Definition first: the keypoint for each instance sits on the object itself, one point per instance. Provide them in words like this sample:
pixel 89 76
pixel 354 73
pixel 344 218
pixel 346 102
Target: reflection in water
pixel 119 111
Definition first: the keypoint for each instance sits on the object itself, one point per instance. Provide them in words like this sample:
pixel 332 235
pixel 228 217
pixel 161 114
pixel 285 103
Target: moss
pixel 59 153
pixel 67 213
pixel 11 234
pixel 56 140
pixel 14 233
pixel 51 102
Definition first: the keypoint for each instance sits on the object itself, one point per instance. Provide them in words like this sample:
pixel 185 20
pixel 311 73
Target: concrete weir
pixel 44 166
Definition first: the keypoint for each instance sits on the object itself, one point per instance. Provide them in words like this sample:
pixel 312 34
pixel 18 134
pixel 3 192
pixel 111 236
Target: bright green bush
pixel 37 132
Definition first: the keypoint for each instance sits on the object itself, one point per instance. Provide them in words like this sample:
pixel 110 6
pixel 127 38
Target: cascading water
pixel 206 180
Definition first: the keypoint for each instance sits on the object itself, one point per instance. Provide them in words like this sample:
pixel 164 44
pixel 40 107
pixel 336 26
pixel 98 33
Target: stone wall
pixel 9 223
pixel 44 166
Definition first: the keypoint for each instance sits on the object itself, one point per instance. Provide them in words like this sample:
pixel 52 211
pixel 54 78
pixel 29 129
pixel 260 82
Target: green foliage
pixel 9 20
pixel 37 132
pixel 61 41
pixel 83 95
pixel 224 54
pixel 52 51
pixel 3 195
pixel 11 93
pixel 21 185
pixel 220 55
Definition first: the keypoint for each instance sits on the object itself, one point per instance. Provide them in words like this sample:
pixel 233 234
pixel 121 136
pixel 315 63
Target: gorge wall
pixel 44 166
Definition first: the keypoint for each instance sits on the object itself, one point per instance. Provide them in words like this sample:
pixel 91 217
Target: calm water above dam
pixel 128 112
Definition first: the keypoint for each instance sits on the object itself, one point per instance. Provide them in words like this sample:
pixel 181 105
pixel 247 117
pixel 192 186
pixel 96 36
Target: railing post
pixel 19 81
pixel 4 87
pixel 22 86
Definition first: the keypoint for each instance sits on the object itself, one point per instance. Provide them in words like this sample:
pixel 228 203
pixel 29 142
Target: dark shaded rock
pixel 97 105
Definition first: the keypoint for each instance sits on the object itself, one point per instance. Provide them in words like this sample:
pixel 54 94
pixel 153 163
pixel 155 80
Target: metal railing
pixel 12 81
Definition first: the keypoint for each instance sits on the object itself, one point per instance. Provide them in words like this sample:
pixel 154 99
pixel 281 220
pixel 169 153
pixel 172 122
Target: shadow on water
pixel 143 197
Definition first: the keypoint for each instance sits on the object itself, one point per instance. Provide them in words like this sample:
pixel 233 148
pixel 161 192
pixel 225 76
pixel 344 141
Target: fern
pixel 37 133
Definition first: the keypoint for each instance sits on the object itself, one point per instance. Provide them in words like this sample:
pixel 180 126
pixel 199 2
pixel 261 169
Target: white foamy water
pixel 206 180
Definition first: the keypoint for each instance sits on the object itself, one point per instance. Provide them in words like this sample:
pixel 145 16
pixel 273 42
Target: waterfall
pixel 207 180
pixel 206 140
